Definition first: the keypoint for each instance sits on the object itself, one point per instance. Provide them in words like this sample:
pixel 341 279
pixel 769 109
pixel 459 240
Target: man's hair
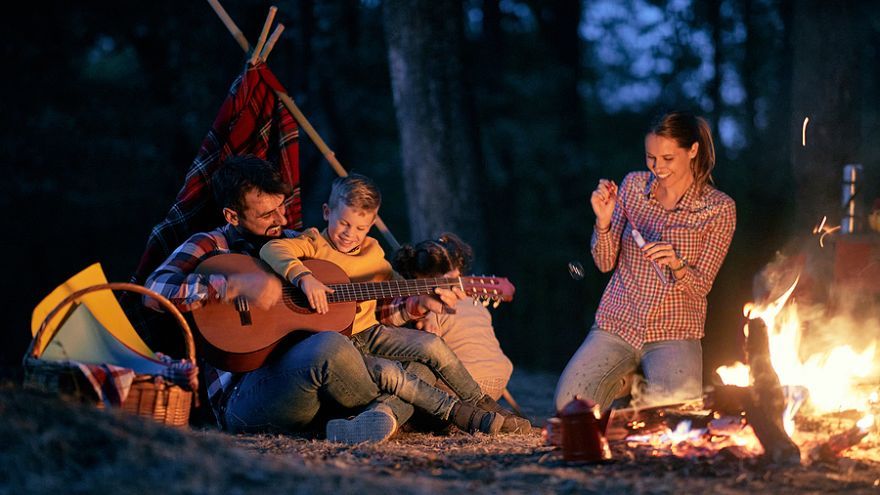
pixel 238 175
pixel 355 191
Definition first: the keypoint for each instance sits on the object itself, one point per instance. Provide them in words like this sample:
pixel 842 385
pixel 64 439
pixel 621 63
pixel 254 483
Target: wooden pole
pixel 230 24
pixel 263 34
pixel 271 43
pixel 301 119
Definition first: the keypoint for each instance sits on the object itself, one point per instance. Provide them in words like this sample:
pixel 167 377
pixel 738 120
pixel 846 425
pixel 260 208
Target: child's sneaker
pixel 473 419
pixel 369 426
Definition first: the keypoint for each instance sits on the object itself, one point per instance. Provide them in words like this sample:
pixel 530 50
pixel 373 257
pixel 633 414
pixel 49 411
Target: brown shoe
pixel 473 419
pixel 492 405
pixel 516 424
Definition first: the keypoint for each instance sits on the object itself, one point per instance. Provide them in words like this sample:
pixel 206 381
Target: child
pixel 469 331
pixel 350 213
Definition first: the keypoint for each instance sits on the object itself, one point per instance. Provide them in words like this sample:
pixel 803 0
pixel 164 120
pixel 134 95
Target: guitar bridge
pixel 244 311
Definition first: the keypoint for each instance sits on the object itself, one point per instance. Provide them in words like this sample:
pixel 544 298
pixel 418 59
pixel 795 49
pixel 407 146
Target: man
pixel 297 388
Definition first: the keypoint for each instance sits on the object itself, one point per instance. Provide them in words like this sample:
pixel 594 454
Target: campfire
pixel 791 403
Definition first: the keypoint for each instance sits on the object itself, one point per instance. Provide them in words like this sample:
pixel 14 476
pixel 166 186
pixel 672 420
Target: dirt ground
pixel 48 445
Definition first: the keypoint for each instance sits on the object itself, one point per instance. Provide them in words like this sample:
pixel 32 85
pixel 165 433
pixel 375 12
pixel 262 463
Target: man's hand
pixel 427 324
pixel 442 301
pixel 316 292
pixel 260 289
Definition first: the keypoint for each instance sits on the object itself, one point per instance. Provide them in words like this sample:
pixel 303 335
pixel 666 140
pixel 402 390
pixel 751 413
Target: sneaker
pixel 473 419
pixel 369 426
pixel 516 424
pixel 491 405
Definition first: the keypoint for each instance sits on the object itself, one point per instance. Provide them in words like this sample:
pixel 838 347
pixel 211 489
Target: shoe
pixel 516 424
pixel 491 405
pixel 473 419
pixel 372 426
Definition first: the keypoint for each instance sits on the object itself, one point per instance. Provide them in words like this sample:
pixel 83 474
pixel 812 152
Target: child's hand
pixel 260 289
pixel 603 200
pixel 316 292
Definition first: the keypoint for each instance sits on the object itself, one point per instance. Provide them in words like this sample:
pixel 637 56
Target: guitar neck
pixel 366 291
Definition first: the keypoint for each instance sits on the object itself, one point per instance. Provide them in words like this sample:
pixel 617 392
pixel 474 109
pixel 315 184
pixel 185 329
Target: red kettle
pixel 583 432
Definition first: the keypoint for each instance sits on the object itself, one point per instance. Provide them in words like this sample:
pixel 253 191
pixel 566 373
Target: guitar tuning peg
pixel 476 301
pixel 486 302
pixel 496 302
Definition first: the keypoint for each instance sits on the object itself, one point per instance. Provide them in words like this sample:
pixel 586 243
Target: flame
pixel 829 377
pixel 866 423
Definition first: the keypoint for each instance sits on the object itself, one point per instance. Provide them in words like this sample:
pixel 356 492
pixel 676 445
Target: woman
pixel 665 233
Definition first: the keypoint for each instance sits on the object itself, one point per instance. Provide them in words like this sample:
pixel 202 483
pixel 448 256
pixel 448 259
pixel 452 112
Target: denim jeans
pixel 323 372
pixel 407 344
pixel 403 381
pixel 673 370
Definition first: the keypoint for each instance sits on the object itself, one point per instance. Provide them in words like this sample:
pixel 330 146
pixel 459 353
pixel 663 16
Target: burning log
pixel 837 444
pixel 765 404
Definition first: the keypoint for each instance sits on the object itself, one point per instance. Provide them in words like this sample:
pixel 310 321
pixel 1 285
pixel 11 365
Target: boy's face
pixel 346 226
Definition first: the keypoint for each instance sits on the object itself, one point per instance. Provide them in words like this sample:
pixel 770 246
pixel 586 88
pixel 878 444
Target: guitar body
pixel 236 340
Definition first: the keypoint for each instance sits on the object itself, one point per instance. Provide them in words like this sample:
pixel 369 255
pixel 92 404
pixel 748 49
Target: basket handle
pixel 164 302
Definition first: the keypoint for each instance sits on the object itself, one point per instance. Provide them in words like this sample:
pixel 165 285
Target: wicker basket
pixel 150 396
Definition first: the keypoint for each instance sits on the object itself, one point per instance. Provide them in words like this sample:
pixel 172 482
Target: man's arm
pixel 175 279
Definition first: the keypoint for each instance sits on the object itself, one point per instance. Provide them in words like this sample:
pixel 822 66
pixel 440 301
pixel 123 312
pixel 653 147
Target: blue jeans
pixel 673 370
pixel 323 372
pixel 407 344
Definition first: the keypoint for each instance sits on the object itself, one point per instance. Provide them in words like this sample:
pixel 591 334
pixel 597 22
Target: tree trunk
pixel 826 88
pixel 438 134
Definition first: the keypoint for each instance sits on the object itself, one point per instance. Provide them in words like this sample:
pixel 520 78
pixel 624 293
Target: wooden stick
pixel 263 34
pixel 272 40
pixel 304 123
pixel 230 24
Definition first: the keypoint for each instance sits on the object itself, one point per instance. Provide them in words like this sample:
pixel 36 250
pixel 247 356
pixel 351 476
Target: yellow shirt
pixel 367 263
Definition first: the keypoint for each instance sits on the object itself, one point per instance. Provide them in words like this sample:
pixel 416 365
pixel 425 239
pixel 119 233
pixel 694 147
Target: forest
pixel 528 103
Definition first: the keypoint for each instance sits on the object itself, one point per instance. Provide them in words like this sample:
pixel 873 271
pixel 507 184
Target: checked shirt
pixel 636 305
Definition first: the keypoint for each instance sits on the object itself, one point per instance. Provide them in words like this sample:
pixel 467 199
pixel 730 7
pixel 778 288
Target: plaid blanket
pixel 252 120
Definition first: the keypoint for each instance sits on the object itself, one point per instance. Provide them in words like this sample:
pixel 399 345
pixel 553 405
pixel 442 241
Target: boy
pixel 350 213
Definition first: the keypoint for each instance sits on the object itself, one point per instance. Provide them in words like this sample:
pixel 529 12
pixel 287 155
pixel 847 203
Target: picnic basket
pixel 149 396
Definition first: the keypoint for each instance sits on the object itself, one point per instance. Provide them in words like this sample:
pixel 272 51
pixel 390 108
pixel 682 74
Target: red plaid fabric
pixel 110 382
pixel 636 304
pixel 252 120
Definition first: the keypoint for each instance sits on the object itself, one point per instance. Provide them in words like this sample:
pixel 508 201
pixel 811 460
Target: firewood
pixel 766 401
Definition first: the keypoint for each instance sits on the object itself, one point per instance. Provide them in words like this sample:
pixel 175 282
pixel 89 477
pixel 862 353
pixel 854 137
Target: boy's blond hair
pixel 355 191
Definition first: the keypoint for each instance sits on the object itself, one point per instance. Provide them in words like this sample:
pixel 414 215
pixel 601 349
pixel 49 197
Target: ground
pixel 49 445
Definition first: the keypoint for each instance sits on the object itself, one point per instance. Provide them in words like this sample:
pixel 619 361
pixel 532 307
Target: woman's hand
pixel 603 200
pixel 663 254
pixel 316 292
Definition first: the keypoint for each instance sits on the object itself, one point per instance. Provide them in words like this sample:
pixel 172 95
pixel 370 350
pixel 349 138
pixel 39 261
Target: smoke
pixel 831 312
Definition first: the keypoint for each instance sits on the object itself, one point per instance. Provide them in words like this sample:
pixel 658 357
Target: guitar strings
pixel 364 291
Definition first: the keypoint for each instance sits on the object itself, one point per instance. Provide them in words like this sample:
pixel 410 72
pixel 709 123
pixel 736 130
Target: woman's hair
pixel 686 129
pixel 433 258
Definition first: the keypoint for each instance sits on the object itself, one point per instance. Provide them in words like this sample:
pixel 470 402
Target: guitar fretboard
pixel 367 291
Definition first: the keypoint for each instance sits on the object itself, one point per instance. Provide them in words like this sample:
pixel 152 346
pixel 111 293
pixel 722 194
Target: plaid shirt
pixel 637 305
pixel 252 120
pixel 175 280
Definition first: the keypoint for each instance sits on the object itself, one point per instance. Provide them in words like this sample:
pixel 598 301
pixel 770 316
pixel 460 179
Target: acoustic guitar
pixel 239 337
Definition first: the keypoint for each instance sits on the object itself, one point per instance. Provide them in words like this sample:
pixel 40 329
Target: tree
pixel 438 134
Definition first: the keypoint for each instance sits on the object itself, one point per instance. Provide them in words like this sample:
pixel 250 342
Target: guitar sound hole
pixel 296 300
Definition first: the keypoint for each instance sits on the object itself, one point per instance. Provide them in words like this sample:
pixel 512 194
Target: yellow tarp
pixel 101 304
